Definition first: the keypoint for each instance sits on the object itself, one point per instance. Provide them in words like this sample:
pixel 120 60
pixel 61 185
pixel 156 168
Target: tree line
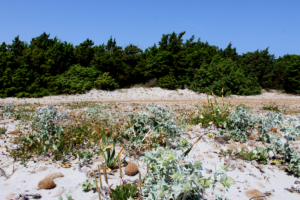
pixel 49 66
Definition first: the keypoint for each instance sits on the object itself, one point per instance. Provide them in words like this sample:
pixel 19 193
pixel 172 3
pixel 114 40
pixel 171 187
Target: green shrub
pixel 105 81
pixel 3 130
pixel 224 75
pixel 272 108
pixel 123 192
pixel 213 112
pixel 168 82
pixel 77 79
pixel 292 73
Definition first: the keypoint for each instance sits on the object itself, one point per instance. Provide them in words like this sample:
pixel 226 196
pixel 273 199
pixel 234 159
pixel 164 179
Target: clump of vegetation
pixel 214 112
pixel 171 176
pixel 151 129
pixel 260 154
pixel 105 81
pixel 69 69
pixel 123 192
pixel 3 130
pixel 241 124
pixel 272 108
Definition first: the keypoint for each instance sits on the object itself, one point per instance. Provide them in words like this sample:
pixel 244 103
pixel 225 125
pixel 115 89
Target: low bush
pixel 105 81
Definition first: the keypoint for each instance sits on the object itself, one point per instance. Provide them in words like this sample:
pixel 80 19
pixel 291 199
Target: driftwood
pixel 26 196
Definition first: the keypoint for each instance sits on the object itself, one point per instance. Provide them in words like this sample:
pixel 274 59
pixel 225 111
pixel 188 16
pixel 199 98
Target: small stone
pixel 55 175
pixel 252 137
pixel 254 193
pixel 131 169
pixel 46 183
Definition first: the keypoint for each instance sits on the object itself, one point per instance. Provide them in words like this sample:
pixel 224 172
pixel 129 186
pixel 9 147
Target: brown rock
pixel 55 175
pixel 231 147
pixel 252 137
pixel 1 118
pixel 254 193
pixel 46 183
pixel 131 169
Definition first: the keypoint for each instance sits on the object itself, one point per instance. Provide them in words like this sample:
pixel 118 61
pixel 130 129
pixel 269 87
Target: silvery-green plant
pixel 157 122
pixel 171 176
pixel 9 110
pixel 265 124
pixel 46 120
pixel 242 123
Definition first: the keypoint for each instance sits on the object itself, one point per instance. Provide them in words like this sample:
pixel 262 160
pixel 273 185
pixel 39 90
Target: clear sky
pixel 248 25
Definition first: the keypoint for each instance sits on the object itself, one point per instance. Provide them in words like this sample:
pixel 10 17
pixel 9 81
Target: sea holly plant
pixel 155 127
pixel 242 124
pixel 171 176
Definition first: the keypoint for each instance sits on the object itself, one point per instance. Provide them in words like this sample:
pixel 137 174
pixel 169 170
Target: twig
pixel 3 173
pixel 264 196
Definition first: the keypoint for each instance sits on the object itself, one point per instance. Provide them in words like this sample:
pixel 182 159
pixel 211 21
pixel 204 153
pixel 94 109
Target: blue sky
pixel 248 25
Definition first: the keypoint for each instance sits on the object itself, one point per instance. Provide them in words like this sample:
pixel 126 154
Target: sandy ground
pixel 245 175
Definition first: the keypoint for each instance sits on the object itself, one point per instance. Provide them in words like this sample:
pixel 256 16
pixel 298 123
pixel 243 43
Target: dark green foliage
pixel 46 66
pixel 291 73
pixel 2 130
pixel 168 82
pixel 123 192
pixel 105 81
pixel 77 79
pixel 262 65
pixel 224 74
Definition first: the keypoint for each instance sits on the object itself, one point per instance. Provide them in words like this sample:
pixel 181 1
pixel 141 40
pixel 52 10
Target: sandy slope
pixel 246 175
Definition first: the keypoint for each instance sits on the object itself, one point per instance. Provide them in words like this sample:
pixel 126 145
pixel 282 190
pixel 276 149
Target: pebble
pixel 46 183
pixel 252 193
pixel 131 169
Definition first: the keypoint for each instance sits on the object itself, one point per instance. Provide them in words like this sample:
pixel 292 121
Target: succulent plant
pixel 171 176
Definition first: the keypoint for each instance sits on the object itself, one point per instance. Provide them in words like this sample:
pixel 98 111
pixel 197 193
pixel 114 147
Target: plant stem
pixel 100 178
pixel 96 182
